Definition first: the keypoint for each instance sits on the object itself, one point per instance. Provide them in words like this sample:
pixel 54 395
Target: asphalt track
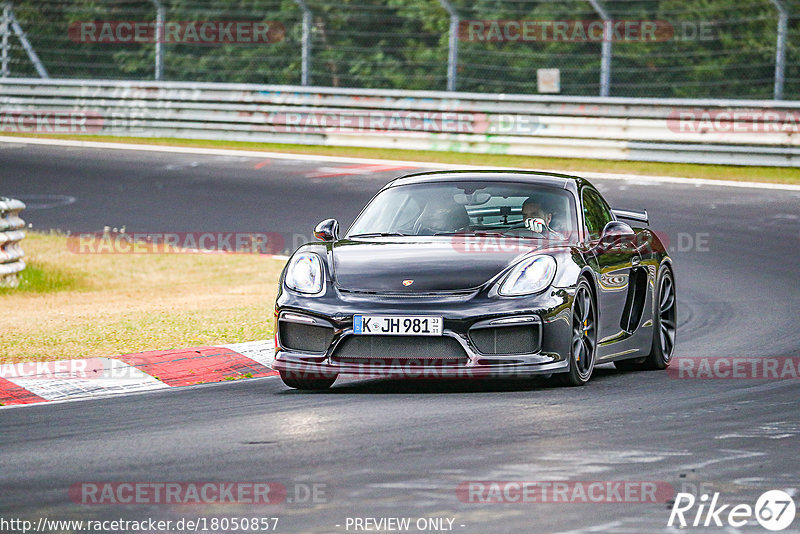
pixel 401 449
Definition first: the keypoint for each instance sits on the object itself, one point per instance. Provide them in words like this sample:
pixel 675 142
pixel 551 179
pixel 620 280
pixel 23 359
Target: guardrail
pixel 11 234
pixel 738 132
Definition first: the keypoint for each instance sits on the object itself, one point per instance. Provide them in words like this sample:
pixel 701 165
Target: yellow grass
pixel 82 305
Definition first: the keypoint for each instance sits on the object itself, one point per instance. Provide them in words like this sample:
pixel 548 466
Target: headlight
pixel 304 274
pixel 529 276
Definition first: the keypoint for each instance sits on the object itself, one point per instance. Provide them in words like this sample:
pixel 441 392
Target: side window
pixel 596 213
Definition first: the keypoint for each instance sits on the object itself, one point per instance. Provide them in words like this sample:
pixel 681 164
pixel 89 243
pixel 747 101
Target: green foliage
pixel 44 279
pixel 720 48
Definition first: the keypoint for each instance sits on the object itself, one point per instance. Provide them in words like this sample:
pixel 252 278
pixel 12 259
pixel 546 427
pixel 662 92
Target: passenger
pixel 442 216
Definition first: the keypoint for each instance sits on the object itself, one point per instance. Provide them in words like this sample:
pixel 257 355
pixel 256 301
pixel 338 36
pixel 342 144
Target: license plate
pixel 397 325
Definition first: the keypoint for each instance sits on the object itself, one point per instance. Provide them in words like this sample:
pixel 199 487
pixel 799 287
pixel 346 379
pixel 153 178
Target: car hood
pixel 441 264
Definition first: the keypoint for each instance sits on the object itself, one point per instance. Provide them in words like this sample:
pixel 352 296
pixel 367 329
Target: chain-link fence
pixel 639 48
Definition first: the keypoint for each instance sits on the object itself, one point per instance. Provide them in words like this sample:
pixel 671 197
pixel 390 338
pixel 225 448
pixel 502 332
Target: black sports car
pixel 465 274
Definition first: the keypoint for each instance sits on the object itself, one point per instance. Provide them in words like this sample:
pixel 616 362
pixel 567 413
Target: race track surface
pixel 398 449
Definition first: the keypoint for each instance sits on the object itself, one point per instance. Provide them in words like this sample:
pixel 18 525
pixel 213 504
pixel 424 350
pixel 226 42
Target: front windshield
pixel 470 208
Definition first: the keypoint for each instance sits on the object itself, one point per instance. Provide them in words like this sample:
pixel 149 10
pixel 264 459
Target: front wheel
pixel 307 382
pixel 584 338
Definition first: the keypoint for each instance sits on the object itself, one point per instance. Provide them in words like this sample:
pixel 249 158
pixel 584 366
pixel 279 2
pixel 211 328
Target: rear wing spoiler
pixel 632 215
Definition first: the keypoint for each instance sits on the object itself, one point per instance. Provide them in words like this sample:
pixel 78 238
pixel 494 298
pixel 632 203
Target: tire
pixel 305 382
pixel 583 345
pixel 665 323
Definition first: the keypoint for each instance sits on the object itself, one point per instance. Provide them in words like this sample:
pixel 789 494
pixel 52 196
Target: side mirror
pixel 327 230
pixel 614 233
pixel 633 215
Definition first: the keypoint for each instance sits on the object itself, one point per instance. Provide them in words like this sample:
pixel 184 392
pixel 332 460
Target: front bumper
pixel 463 313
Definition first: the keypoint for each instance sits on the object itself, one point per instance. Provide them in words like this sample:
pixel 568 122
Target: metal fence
pixel 635 48
pixel 738 132
pixel 11 234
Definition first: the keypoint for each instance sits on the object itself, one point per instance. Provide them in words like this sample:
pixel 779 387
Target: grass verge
pixel 787 175
pixel 80 305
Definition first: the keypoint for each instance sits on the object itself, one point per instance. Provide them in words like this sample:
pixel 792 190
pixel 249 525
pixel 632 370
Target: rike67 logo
pixel 774 510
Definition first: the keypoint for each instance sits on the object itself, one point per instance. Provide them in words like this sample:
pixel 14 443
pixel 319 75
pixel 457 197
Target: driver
pixel 533 211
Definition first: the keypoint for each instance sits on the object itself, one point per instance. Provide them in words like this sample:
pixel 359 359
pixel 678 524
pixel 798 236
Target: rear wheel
pixel 584 338
pixel 664 327
pixel 307 382
pixel 665 323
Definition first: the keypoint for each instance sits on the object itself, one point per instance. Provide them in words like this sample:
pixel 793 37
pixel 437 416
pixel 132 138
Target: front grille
pixel 412 294
pixel 305 337
pixel 425 351
pixel 405 296
pixel 523 339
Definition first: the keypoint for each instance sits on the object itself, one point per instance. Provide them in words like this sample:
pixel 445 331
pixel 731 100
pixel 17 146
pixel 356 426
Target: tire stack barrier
pixel 11 233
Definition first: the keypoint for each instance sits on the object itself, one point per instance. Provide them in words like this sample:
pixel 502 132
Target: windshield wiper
pixel 475 233
pixel 496 233
pixel 380 234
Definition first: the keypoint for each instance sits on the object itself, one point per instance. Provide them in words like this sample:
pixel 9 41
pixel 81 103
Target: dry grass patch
pixel 81 305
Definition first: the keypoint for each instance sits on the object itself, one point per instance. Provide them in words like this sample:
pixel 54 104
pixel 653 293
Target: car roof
pixel 551 179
